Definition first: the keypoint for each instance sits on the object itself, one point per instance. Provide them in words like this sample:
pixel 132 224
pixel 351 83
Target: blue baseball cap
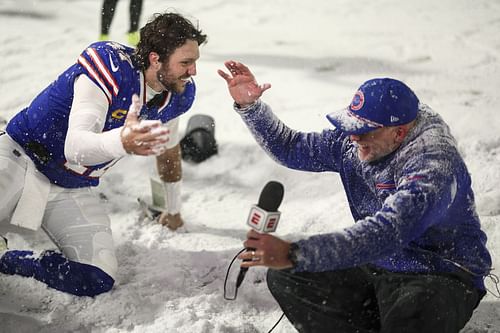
pixel 377 103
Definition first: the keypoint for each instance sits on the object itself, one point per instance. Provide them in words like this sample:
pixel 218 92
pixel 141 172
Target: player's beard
pixel 169 81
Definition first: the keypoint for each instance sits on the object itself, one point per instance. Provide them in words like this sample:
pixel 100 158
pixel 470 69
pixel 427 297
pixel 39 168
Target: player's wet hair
pixel 163 34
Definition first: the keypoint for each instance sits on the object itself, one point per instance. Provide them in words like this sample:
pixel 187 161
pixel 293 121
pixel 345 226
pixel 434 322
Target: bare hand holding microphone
pixel 263 249
pixel 268 251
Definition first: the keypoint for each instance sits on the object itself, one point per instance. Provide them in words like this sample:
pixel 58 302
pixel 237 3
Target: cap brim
pixel 345 121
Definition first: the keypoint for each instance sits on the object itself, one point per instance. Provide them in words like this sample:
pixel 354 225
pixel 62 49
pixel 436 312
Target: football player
pixel 114 101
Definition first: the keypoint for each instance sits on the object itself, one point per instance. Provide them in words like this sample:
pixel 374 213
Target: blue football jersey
pixel 41 128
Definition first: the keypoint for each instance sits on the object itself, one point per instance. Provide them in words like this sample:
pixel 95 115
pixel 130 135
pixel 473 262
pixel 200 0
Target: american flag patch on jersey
pixel 385 186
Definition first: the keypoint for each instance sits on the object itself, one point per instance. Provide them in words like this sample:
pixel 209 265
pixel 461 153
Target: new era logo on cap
pixel 377 103
pixel 394 119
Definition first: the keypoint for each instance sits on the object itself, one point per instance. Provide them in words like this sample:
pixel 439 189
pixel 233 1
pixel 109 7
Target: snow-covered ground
pixel 315 54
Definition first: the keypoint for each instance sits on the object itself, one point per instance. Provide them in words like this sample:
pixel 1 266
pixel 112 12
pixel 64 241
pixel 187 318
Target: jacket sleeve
pixel 426 187
pixel 302 151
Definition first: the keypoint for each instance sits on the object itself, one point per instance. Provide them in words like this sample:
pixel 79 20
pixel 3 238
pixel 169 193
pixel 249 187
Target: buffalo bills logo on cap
pixel 357 101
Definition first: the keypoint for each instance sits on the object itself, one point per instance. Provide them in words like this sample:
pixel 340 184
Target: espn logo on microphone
pixel 263 221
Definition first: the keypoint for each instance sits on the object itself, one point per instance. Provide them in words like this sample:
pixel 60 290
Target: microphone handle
pixel 243 271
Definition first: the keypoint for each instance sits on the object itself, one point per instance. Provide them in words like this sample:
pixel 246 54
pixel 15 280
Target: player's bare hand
pixel 143 137
pixel 241 83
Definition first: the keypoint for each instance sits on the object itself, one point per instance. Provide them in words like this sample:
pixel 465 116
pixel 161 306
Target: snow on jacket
pixel 414 209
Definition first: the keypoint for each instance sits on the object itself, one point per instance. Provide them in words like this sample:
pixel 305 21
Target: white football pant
pixel 74 219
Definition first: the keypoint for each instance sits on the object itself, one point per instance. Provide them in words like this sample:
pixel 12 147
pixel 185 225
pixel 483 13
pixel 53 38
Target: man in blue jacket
pixel 113 101
pixel 415 259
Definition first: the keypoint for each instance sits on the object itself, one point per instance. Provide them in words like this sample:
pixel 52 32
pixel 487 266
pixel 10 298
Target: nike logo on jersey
pixel 114 68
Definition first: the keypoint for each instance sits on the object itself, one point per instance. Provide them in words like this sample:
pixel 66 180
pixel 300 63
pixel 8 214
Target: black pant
pixel 365 300
pixel 108 11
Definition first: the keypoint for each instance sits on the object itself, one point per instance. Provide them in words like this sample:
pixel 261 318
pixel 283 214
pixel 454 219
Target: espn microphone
pixel 264 216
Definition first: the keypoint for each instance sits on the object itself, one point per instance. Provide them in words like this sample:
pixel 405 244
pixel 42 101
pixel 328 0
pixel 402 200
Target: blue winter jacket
pixel 414 209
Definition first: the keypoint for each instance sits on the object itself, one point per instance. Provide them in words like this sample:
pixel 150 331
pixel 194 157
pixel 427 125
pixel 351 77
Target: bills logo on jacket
pixel 261 220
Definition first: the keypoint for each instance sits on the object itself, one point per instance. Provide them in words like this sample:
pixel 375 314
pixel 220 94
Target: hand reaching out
pixel 142 137
pixel 241 83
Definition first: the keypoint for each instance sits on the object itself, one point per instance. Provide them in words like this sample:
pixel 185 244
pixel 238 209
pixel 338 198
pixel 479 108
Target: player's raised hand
pixel 142 137
pixel 241 83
